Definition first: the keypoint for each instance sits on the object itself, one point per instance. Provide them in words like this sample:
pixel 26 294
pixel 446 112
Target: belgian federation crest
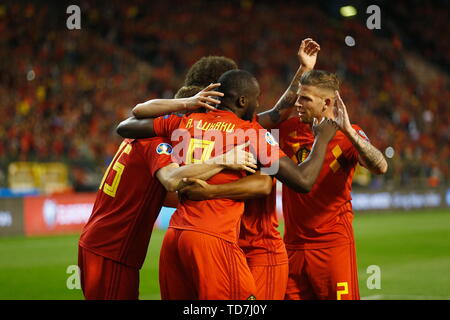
pixel 164 148
pixel 302 154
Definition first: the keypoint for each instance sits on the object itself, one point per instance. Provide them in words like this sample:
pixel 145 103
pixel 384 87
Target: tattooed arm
pixel 369 156
pixel 307 54
pixel 270 118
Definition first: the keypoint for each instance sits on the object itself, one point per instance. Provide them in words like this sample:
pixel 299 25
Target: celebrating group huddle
pixel 211 147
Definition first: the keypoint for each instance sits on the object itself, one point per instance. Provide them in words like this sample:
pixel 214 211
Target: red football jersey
pixel 128 202
pixel 206 135
pixel 259 237
pixel 322 217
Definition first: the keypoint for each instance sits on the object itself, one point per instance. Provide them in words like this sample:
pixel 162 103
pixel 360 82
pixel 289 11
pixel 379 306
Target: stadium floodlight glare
pixel 348 11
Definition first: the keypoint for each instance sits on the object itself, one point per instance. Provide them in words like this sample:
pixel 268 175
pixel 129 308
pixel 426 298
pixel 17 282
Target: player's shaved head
pixel 321 79
pixel 241 92
pixel 235 83
pixel 187 91
pixel 207 70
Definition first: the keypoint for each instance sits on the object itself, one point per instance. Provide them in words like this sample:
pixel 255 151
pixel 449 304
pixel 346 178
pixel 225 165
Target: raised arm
pixel 141 124
pixel 159 107
pixel 302 177
pixel 250 187
pixel 369 156
pixel 307 55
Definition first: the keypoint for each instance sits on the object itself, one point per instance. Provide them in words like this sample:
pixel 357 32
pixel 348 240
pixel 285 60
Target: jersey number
pixel 118 168
pixel 343 290
pixel 194 144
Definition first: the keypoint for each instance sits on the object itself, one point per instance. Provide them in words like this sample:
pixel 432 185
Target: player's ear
pixel 328 103
pixel 242 102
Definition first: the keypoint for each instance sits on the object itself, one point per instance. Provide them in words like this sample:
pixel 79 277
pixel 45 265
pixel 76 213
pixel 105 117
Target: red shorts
pixel 271 281
pixel 323 274
pixel 198 266
pixel 106 279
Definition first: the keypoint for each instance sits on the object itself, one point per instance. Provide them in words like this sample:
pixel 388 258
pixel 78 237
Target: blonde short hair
pixel 321 79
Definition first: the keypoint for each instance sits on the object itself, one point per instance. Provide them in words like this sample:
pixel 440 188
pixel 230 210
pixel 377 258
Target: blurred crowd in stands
pixel 62 92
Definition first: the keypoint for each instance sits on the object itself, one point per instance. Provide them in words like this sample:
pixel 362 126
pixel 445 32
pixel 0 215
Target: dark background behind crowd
pixel 62 92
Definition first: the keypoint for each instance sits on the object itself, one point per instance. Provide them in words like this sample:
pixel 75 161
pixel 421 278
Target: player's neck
pixel 225 108
pixel 329 114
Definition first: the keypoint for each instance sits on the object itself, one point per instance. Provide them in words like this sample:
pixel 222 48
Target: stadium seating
pixel 63 92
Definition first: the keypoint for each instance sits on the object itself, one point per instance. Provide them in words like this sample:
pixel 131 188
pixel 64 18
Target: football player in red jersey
pixel 259 237
pixel 210 224
pixel 114 241
pixel 318 225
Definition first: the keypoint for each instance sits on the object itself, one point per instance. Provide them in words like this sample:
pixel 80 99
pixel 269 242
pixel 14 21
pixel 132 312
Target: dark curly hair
pixel 208 70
